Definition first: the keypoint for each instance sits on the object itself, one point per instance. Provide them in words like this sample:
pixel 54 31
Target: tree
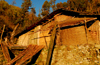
pixel 45 8
pixel 59 5
pixel 65 4
pixel 3 7
pixel 52 3
pixel 14 2
pixel 78 5
pixel 26 4
pixel 2 0
pixel 24 12
pixel 33 10
pixel 90 6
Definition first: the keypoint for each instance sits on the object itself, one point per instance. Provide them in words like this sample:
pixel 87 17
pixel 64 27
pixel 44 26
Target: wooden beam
pixel 31 52
pixel 26 54
pixel 5 52
pixel 51 45
pixel 17 47
pixel 19 56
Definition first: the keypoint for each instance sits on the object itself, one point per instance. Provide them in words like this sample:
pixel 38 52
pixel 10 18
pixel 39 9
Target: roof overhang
pixel 68 22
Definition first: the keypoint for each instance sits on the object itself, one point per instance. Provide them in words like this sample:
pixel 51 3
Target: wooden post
pixel 12 35
pixel 86 32
pixel 97 29
pixel 5 52
pixel 51 45
pixel 2 33
pixel 99 33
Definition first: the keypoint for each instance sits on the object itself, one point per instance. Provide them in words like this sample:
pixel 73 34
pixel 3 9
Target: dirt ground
pixel 86 54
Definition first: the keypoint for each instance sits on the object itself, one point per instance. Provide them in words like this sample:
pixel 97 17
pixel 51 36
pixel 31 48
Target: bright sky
pixel 35 3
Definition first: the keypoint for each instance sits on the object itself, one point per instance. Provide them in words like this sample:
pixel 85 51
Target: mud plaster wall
pixel 94 31
pixel 73 36
pixel 39 37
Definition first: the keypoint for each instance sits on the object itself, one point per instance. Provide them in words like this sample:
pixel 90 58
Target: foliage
pixel 59 5
pixel 45 8
pixel 90 6
pixel 3 7
pixel 46 5
pixel 26 4
pixel 44 13
pixel 52 3
pixel 12 15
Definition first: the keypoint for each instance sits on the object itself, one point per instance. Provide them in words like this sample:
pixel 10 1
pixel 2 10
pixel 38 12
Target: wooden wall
pixel 35 37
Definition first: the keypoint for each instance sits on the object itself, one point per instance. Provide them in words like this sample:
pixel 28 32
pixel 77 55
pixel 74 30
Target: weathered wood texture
pixel 5 52
pixel 51 45
pixel 40 34
pixel 99 32
pixel 67 22
pixel 26 54
pixel 29 37
pixel 13 33
pixel 2 34
pixel 17 47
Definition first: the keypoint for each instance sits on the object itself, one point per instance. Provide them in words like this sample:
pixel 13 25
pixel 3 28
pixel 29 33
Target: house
pixel 72 29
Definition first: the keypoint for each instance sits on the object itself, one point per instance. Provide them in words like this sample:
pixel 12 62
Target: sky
pixel 35 3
